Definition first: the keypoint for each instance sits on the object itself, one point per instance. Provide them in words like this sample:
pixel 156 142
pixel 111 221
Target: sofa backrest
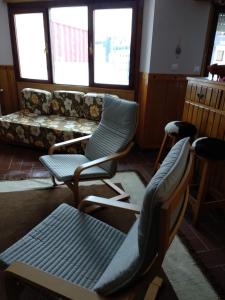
pixel 68 103
pixel 65 103
pixel 36 101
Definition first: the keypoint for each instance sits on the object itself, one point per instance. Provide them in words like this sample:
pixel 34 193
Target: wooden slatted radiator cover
pixel 205 108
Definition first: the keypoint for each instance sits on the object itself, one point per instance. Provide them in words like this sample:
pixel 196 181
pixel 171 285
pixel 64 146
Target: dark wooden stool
pixel 174 131
pixel 209 151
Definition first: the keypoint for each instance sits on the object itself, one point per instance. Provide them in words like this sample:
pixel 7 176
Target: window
pixel 69 45
pixel 31 48
pixel 89 45
pixel 112 45
pixel 219 41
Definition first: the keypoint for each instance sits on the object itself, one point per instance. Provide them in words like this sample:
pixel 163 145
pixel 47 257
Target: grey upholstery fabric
pixel 115 131
pixel 62 166
pixel 161 186
pixel 140 246
pixel 68 244
pixel 88 252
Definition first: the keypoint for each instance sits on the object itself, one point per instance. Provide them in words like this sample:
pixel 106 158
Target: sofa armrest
pixel 67 143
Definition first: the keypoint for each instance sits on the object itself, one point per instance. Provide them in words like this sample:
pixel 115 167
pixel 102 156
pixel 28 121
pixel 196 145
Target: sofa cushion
pixel 36 101
pixel 93 105
pixel 68 103
pixel 43 131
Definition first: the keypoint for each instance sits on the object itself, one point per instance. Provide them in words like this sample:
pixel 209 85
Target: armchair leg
pixel 153 288
pixel 53 180
pixel 122 195
pixel 74 187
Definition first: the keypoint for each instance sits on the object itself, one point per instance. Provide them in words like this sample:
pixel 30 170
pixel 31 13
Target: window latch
pixel 91 49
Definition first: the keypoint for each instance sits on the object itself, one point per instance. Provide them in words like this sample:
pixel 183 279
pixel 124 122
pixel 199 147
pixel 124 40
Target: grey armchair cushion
pixel 115 131
pixel 161 186
pixel 141 243
pixel 62 166
pixel 68 244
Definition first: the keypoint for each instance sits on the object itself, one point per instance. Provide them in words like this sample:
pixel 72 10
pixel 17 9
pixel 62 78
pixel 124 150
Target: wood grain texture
pixel 205 108
pixel 161 100
pixel 8 98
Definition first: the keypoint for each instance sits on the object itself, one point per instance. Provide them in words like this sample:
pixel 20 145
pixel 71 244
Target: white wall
pixel 179 20
pixel 147 32
pixel 164 24
pixel 5 43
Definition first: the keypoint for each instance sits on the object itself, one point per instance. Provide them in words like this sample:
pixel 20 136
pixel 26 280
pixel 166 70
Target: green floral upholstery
pixel 48 118
pixel 36 101
pixel 43 131
pixel 68 103
pixel 92 107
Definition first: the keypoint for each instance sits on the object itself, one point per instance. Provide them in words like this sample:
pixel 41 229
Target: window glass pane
pixel 31 45
pixel 112 40
pixel 218 56
pixel 69 44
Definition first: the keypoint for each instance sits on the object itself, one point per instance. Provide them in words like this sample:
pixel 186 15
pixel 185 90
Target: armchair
pixel 71 255
pixel 111 140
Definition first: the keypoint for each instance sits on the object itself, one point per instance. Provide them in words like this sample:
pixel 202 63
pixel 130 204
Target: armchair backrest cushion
pixel 141 244
pixel 116 129
pixel 68 103
pixel 36 101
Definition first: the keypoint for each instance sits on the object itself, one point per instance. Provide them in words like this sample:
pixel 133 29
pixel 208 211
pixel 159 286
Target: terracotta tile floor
pixel 21 162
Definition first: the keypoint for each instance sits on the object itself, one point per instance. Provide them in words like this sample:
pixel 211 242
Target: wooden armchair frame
pixel 74 184
pixel 29 275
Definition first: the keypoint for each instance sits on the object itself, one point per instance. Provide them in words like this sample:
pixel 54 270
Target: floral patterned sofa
pixel 46 118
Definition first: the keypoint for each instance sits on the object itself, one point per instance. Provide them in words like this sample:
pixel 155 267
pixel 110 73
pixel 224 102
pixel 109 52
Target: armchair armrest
pixel 67 143
pixel 102 160
pixel 46 281
pixel 108 203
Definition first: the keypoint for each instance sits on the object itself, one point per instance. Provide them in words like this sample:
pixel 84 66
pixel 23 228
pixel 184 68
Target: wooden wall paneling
pixel 162 102
pixel 9 99
pixel 156 112
pixel 142 100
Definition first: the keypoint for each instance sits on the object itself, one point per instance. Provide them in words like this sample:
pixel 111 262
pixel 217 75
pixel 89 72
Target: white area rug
pixel 186 278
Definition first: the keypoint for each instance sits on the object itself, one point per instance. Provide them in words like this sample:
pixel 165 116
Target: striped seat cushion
pixel 62 166
pixel 68 244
